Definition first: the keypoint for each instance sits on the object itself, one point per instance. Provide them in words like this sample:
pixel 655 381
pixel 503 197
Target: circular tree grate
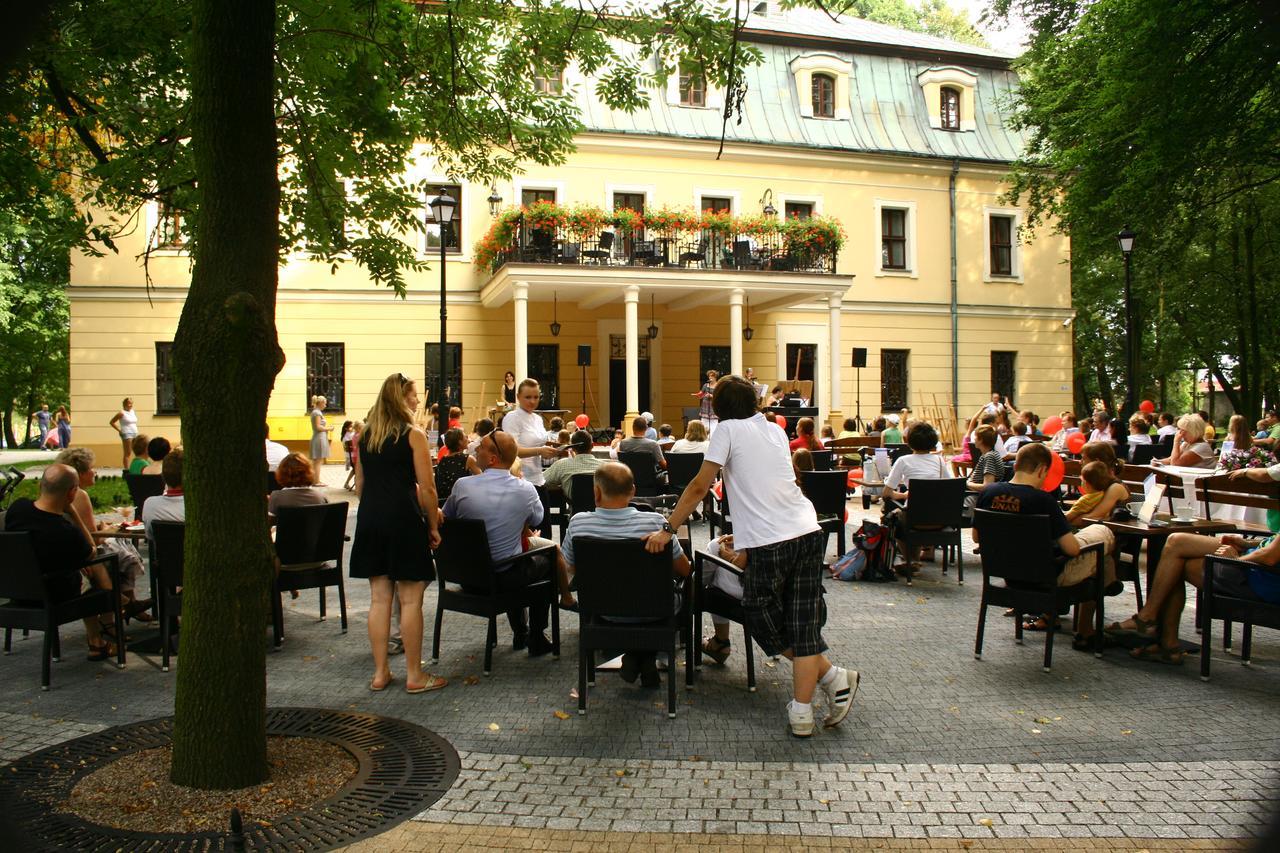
pixel 403 769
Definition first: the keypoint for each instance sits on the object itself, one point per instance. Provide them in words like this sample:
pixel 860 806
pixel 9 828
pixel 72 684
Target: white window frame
pixel 815 200
pixel 650 191
pixel 465 194
pixel 912 270
pixel 519 185
pixel 1015 260
pixel 734 196
pixel 802 70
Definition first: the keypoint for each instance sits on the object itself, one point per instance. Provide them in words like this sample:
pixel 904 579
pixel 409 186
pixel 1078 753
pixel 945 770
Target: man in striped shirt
pixel 615 518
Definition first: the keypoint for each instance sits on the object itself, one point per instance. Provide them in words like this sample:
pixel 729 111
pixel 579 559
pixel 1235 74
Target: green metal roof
pixel 887 106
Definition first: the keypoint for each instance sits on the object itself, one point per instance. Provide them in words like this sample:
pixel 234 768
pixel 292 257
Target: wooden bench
pixel 1221 490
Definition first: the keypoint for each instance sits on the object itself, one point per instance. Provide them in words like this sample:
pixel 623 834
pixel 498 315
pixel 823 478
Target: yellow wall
pixel 115 327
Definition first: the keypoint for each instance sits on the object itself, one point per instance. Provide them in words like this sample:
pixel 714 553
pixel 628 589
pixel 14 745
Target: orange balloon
pixel 1076 441
pixel 1056 470
pixel 1051 426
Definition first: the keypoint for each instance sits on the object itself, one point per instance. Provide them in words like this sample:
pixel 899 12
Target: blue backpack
pixel 868 557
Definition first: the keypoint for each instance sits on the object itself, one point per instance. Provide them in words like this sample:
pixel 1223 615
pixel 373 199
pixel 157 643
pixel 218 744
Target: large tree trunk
pixel 225 359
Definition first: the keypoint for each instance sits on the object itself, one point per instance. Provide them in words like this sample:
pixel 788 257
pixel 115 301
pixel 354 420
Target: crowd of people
pixel 411 479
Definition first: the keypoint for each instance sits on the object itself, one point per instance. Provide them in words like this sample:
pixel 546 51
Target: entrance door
pixel 801 364
pixel 618 377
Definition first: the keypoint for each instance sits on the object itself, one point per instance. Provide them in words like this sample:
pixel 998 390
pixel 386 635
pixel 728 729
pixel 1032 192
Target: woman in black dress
pixel 509 388
pixel 396 528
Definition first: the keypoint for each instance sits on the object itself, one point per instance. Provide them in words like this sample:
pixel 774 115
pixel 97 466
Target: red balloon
pixel 1056 470
pixel 1075 441
pixel 1051 426
pixel 1147 406
pixel 780 420
pixel 582 421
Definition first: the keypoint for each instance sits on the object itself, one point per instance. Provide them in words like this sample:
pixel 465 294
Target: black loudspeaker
pixel 859 356
pixel 584 355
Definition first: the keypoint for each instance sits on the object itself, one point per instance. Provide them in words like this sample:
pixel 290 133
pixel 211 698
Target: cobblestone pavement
pixel 939 745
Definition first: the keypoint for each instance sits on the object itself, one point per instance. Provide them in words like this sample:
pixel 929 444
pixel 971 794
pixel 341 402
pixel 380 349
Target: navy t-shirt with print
pixel 1026 500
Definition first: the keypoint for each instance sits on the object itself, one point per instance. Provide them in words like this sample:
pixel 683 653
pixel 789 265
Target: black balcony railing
pixel 706 250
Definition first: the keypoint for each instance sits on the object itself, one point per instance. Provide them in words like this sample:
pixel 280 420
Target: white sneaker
pixel 840 693
pixel 801 721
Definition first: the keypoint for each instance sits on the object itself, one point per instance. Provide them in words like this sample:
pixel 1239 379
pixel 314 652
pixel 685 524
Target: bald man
pixel 509 506
pixel 61 541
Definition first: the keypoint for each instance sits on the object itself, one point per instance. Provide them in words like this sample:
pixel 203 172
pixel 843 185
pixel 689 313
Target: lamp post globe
pixel 1126 239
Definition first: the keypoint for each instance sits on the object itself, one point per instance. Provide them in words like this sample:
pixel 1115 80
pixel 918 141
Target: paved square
pixel 939 746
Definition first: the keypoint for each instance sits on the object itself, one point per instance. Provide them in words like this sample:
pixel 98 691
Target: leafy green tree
pixel 1163 115
pixel 934 17
pixel 279 126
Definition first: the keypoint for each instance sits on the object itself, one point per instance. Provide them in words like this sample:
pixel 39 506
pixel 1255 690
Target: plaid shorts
pixel 782 595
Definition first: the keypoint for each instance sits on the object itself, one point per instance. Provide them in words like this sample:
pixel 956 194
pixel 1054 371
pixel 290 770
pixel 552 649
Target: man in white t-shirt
pixel 776 525
pixel 525 425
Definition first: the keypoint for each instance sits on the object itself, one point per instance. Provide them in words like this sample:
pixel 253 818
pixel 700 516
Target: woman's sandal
pixel 1142 628
pixel 717 650
pixel 1039 624
pixel 434 682
pixel 109 631
pixel 105 651
pixel 1171 656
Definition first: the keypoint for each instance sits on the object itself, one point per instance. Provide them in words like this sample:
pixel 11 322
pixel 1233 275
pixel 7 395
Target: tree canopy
pixel 1163 115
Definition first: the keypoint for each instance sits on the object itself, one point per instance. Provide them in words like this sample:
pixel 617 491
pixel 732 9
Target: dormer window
pixel 950 94
pixel 552 84
pixel 822 85
pixel 693 87
pixel 949 108
pixel 824 96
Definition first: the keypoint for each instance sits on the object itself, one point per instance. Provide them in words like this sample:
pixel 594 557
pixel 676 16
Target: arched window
pixel 824 96
pixel 950 108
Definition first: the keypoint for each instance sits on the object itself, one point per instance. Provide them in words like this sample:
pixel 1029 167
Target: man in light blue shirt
pixel 508 506
pixel 615 518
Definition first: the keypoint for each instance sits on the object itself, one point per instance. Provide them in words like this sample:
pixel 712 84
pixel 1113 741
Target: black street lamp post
pixel 443 206
pixel 1126 238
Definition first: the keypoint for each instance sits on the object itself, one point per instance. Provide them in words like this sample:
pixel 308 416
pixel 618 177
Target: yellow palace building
pixel 899 137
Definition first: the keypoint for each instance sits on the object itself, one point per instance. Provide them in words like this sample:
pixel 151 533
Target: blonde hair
pixel 1193 426
pixel 80 458
pixel 390 416
pixel 695 431
pixel 317 401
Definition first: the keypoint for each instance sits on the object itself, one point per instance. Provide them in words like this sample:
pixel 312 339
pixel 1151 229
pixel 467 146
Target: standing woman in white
pixel 319 437
pixel 125 422
pixel 525 425
pixel 777 527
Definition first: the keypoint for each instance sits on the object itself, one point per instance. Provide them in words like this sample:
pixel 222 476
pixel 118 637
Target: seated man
pixel 1182 562
pixel 581 460
pixel 1025 494
pixel 61 541
pixel 170 506
pixel 638 443
pixel 509 506
pixel 615 518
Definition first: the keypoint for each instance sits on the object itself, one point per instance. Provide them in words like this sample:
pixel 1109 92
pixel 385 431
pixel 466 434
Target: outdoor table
pixel 1156 536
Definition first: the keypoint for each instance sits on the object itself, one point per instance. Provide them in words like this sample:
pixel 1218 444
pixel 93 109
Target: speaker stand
pixel 584 389
pixel 858 400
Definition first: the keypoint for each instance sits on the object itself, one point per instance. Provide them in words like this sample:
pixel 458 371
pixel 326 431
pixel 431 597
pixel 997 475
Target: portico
pixel 682 292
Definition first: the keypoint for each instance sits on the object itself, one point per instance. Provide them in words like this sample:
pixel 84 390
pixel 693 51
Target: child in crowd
pixel 1014 442
pixel 828 434
pixel 666 437
pixel 139 448
pixel 352 448
pixel 553 430
pixel 891 435
pixel 989 467
pixel 1095 477
pixel 801 461
pixel 455 417
pixel 348 447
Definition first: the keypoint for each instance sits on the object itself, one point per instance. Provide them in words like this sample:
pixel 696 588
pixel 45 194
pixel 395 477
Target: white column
pixel 735 331
pixel 633 349
pixel 837 356
pixel 520 294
